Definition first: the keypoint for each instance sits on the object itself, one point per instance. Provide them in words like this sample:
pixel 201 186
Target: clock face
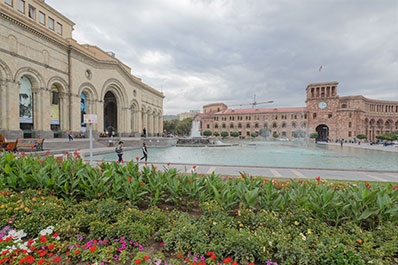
pixel 322 105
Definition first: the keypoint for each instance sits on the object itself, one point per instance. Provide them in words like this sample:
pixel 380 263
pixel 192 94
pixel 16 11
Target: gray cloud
pixel 203 51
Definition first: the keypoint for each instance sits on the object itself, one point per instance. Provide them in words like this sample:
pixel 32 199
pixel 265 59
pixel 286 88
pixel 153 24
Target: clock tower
pixel 322 103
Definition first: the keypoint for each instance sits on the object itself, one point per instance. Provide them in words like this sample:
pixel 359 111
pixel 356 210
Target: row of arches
pixel 374 127
pixel 43 106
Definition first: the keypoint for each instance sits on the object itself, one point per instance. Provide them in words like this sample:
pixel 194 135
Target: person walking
pixel 70 137
pixel 144 132
pixel 119 152
pixel 145 152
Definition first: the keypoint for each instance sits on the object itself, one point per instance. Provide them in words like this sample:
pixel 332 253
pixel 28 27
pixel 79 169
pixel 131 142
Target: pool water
pixel 273 154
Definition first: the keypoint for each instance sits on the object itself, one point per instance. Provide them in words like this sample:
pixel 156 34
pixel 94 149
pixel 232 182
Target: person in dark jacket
pixel 119 152
pixel 145 152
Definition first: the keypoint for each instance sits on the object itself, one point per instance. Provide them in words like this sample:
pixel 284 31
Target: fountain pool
pixel 273 154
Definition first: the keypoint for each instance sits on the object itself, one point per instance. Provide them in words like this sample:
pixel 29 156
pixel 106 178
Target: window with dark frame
pixel 42 18
pixel 21 6
pixel 59 28
pixel 9 2
pixel 32 12
pixel 51 23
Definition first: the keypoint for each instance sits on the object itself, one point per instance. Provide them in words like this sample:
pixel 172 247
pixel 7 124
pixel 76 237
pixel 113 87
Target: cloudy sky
pixel 204 51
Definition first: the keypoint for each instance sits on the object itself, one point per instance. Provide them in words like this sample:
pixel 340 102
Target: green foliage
pixel 275 135
pixel 207 133
pixel 388 136
pixel 216 134
pixel 224 134
pixel 178 127
pixel 314 135
pixel 234 134
pixel 253 134
pixel 361 136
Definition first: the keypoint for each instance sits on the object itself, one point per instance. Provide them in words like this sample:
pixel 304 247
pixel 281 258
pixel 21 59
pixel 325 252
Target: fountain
pixel 196 140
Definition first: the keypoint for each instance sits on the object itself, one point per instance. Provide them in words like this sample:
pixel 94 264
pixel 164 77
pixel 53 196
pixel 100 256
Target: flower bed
pixel 113 213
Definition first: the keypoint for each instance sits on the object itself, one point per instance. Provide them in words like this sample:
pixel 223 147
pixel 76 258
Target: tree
pixel 207 133
pixel 254 134
pixel 299 134
pixel 361 136
pixel 224 134
pixel 216 134
pixel 313 135
pixel 275 135
pixel 234 134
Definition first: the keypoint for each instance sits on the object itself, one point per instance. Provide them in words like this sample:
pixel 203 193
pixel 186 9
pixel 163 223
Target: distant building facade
pixel 48 81
pixel 189 114
pixel 331 116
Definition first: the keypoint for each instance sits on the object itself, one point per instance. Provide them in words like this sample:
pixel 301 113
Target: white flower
pixel 303 236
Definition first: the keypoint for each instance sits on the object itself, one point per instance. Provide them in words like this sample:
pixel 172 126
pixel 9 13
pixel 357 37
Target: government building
pixel 48 81
pixel 331 116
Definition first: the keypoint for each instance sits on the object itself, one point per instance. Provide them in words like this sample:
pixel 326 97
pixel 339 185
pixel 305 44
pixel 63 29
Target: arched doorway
pixel 26 107
pixel 83 110
pixel 55 110
pixel 110 113
pixel 323 133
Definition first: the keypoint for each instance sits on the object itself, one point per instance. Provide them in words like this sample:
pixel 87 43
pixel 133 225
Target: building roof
pixel 258 110
pixel 377 101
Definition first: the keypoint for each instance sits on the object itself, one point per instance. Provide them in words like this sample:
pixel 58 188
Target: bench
pixel 4 145
pixel 31 144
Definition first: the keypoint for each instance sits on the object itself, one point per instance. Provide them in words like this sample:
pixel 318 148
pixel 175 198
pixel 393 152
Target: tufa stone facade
pixel 331 116
pixel 48 81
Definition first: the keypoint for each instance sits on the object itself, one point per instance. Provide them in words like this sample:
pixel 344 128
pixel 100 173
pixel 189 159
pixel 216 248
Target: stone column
pixel 12 108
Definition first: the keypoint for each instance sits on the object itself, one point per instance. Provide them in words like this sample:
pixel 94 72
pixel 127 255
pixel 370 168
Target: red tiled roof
pixel 255 111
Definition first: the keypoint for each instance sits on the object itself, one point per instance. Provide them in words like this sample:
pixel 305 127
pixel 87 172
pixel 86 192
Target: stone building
pixel 48 81
pixel 331 116
pixel 188 114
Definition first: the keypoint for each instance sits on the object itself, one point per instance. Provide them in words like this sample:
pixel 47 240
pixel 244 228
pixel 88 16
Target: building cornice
pixel 377 101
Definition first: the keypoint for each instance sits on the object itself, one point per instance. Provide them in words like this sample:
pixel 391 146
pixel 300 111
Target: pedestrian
pixel 145 152
pixel 119 152
pixel 341 142
pixel 144 132
pixel 70 137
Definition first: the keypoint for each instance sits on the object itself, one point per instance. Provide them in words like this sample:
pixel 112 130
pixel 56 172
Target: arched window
pixel 274 125
pixel 248 125
pixel 55 106
pixel 283 125
pixel 231 125
pixel 216 126
pixel 25 104
pixel 294 125
pixel 83 108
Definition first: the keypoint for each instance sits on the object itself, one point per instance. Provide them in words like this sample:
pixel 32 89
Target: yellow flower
pixel 1 207
pixel 239 213
pixel 34 198
pixel 241 225
pixel 42 197
pixel 309 232
pixel 296 223
pixel 360 241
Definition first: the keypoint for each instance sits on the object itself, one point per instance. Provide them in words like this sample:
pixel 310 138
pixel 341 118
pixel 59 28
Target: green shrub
pixel 216 134
pixel 207 133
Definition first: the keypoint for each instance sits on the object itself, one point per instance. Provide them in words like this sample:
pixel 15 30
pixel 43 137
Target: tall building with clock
pixel 331 116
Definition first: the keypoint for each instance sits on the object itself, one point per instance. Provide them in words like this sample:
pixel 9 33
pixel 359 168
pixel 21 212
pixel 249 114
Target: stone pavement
pixel 285 172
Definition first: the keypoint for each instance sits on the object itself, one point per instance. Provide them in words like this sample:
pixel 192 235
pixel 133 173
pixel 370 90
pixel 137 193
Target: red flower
pixel 234 263
pixel 168 164
pixel 57 259
pixel 77 252
pixel 93 248
pixel 146 163
pixel 138 261
pixel 146 258
pixel 51 246
pixel 194 167
pixel 41 261
pixel 137 158
pixel 318 179
pixel 179 255
pixel 129 179
pixel 56 234
pixel 208 253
